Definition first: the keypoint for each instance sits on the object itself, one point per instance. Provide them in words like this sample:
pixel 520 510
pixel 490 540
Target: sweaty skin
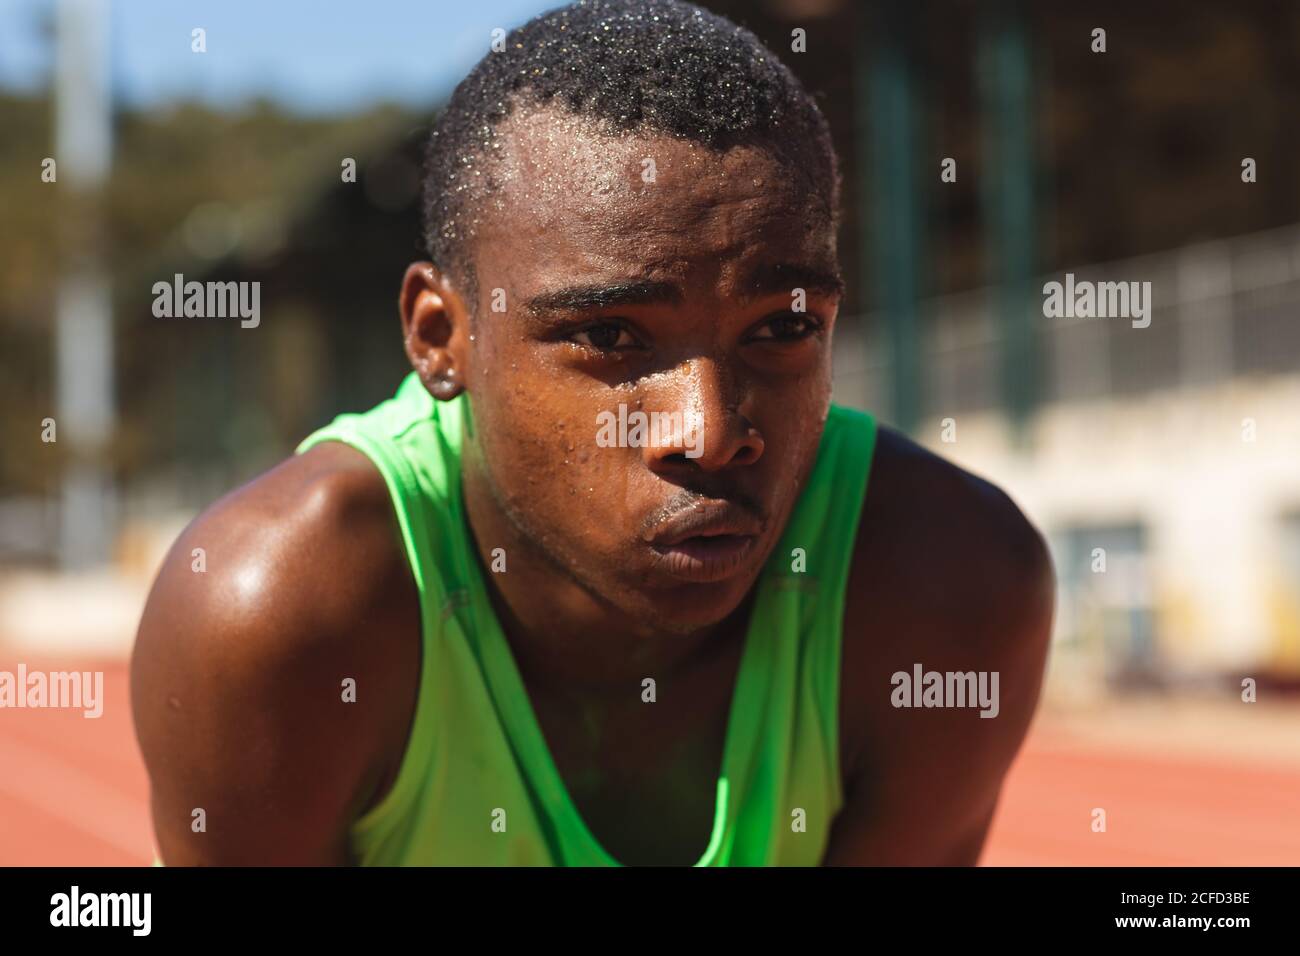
pixel 670 295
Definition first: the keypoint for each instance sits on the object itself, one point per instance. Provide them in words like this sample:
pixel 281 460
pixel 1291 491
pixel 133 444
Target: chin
pixel 686 607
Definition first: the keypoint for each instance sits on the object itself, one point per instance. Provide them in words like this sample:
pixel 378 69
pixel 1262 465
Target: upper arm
pixel 238 670
pixel 966 585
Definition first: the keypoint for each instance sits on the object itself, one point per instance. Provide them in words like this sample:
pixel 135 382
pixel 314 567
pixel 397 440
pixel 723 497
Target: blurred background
pixel 1162 463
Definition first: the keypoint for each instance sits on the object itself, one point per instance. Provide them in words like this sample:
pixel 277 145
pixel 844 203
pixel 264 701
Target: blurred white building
pixel 1162 463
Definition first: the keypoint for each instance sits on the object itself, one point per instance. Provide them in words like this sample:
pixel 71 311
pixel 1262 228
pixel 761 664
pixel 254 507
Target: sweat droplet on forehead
pixel 559 172
pixel 550 154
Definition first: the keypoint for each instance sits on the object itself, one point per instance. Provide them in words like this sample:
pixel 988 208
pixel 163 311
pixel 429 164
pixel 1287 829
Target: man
pixel 604 582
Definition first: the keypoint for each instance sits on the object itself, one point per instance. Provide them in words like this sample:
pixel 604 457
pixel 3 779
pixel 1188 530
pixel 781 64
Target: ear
pixel 435 330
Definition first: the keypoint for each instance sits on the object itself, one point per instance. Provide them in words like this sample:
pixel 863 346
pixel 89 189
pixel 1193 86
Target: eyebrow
pixel 583 298
pixel 764 280
pixel 785 277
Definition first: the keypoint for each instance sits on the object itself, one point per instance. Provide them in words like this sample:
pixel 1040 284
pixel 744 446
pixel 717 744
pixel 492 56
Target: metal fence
pixel 1219 310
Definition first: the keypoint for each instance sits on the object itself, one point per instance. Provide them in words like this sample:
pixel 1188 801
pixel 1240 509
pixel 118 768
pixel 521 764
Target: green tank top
pixel 477 784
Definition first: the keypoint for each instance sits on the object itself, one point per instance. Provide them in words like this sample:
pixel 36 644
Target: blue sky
pixel 312 55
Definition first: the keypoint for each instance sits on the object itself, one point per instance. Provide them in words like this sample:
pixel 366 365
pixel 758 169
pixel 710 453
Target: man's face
pixel 648 275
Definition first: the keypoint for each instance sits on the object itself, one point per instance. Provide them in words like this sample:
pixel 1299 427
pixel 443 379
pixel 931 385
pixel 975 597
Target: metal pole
pixel 84 392
pixel 890 211
pixel 1008 198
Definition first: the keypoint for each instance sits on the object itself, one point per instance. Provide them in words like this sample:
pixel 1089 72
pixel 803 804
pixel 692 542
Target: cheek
pixel 537 431
pixel 792 424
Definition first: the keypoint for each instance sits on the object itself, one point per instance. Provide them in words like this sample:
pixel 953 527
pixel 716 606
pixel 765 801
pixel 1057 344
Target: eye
pixel 787 327
pixel 605 337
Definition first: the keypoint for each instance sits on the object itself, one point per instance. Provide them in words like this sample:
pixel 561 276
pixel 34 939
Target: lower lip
pixel 705 559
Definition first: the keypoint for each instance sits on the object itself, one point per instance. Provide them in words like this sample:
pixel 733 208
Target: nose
pixel 714 432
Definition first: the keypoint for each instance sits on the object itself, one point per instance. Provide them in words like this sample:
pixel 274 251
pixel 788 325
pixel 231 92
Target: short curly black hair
pixel 658 66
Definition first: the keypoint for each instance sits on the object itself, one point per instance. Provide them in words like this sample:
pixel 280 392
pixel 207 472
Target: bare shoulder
pixel 946 569
pixel 266 605
pixel 953 538
pixel 948 577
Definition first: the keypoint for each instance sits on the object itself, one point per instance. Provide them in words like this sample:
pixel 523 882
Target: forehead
pixel 569 196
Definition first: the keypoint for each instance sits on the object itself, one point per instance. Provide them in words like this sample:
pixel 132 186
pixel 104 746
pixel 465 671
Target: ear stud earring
pixel 445 386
